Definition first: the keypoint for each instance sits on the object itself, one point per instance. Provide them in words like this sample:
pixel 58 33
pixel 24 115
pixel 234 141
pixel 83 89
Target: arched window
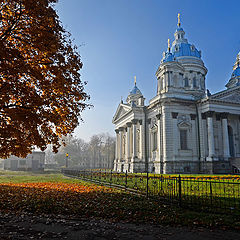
pixel 194 82
pixel 186 82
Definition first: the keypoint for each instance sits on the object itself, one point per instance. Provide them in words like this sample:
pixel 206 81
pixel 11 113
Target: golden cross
pixel 135 80
pixel 179 23
pixel 169 45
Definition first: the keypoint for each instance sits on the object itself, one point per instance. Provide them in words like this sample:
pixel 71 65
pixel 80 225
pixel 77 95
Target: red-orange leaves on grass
pixel 41 95
pixel 77 200
pixel 50 197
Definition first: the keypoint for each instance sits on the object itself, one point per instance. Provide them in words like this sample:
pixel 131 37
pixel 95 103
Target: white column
pixel 226 152
pixel 140 139
pixel 149 139
pixel 121 143
pixel 128 140
pixel 116 145
pixel 159 136
pixel 211 146
pixel 134 122
pixel 203 134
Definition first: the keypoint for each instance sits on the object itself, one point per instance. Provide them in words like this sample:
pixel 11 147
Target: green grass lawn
pixel 25 177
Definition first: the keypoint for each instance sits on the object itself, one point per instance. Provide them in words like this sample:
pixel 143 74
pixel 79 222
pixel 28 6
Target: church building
pixel 184 129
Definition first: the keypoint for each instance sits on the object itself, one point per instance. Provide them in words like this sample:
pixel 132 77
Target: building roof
pixel 135 91
pixel 180 48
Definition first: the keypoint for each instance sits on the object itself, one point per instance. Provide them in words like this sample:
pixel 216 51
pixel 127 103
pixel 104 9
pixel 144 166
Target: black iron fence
pixel 211 195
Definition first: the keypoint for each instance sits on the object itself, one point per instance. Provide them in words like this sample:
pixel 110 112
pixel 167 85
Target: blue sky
pixel 119 39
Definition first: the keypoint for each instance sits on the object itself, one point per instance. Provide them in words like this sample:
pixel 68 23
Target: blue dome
pixel 236 72
pixel 135 91
pixel 179 29
pixel 168 57
pixel 185 49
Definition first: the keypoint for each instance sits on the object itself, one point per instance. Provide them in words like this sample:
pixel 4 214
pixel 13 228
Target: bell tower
pixel 181 72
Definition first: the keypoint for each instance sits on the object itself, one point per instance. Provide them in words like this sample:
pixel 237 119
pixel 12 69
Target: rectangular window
pixel 183 139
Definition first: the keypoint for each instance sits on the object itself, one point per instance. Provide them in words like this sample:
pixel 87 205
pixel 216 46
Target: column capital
pixel 140 122
pixel 224 115
pixel 174 114
pixel 117 131
pixel 129 124
pixel 149 121
pixel 209 114
pixel 158 116
pixel 134 121
pixel 121 129
pixel 193 116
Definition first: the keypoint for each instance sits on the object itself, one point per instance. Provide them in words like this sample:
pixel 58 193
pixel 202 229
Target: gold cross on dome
pixel 179 22
pixel 169 45
pixel 135 80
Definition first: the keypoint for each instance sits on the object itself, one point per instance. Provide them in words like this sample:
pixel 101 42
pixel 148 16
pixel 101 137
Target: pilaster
pixel 129 124
pixel 226 152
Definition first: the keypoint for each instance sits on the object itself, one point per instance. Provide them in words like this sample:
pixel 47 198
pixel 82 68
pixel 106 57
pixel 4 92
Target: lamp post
pixel 66 160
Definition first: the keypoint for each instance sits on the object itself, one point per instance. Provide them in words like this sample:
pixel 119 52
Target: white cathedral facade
pixel 184 129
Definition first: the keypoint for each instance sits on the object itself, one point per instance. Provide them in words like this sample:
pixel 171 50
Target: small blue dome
pixel 236 72
pixel 168 57
pixel 185 49
pixel 135 91
pixel 179 29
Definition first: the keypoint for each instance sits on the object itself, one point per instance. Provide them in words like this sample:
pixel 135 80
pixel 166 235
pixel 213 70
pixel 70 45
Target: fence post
pixel 147 184
pixel 126 180
pixel 180 190
pixel 211 192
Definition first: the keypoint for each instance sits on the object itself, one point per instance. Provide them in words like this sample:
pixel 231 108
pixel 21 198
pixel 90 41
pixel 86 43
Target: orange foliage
pixel 41 95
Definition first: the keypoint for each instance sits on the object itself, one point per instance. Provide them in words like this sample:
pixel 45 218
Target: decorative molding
pixel 209 114
pixel 158 116
pixel 224 115
pixel 117 131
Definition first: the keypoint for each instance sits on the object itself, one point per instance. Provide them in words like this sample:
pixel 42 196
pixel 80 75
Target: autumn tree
pixel 41 94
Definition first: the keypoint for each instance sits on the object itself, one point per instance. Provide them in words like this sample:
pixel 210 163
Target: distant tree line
pixel 99 152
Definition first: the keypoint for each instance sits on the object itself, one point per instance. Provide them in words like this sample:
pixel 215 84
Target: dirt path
pixel 28 226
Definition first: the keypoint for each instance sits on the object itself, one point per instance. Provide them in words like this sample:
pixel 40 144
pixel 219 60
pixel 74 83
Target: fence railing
pixel 211 195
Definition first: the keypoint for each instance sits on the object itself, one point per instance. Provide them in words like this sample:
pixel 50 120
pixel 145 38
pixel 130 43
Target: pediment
pixel 228 96
pixel 122 110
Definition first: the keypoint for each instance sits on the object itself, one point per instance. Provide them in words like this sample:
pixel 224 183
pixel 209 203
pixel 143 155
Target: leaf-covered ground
pixel 92 201
pixel 55 194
